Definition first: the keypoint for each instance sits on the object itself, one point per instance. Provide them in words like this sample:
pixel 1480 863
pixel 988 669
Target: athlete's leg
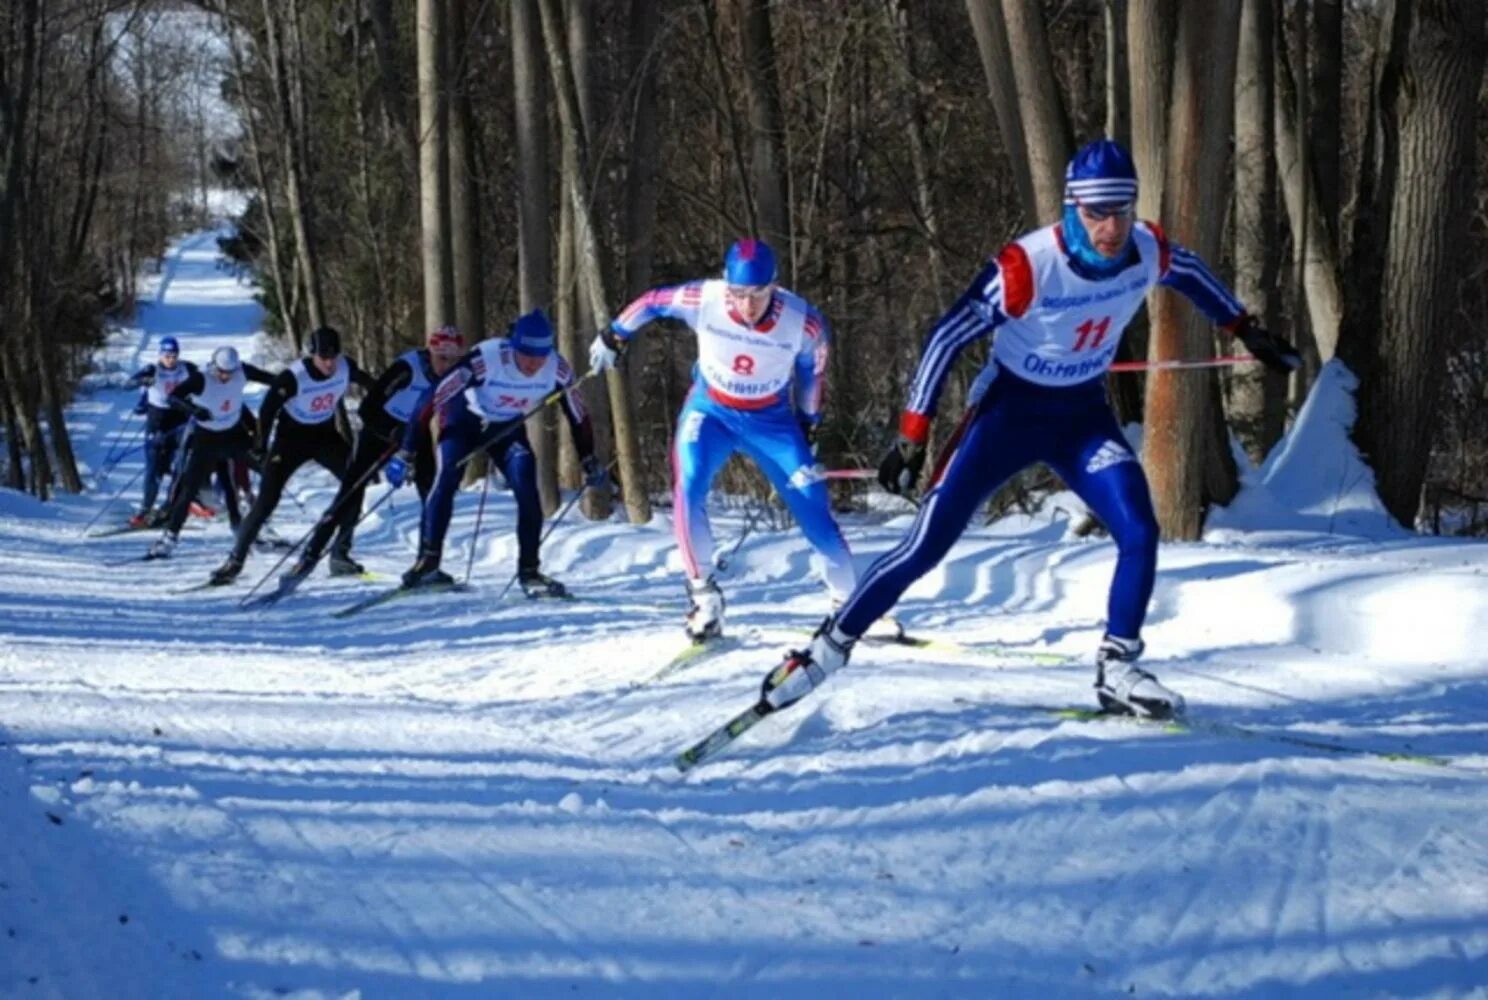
pixel 459 430
pixel 996 444
pixel 1094 459
pixel 513 456
pixel 703 443
pixel 778 447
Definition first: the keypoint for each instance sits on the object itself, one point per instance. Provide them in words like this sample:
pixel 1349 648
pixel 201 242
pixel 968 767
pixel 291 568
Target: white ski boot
pixel 804 670
pixel 705 616
pixel 1125 688
pixel 163 547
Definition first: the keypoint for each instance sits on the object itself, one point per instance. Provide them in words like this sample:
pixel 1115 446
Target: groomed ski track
pixel 446 797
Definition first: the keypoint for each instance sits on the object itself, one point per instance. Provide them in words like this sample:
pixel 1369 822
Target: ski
pixel 123 529
pixel 397 592
pixel 715 742
pixel 288 585
pixel 1229 730
pixel 195 587
pixel 691 654
pixel 960 648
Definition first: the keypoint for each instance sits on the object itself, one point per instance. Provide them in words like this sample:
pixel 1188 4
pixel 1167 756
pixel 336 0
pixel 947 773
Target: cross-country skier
pixel 762 358
pixel 1059 299
pixel 385 411
pixel 296 424
pixel 220 434
pixel 498 382
pixel 164 423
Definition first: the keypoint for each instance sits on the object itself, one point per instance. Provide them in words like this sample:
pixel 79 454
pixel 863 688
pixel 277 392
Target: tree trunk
pixel 1046 124
pixel 534 242
pixel 1325 124
pixel 576 170
pixel 1257 395
pixel 260 175
pixel 1433 58
pixel 997 66
pixel 901 31
pixel 767 131
pixel 433 167
pixel 1321 283
pixel 390 83
pixel 292 149
pixel 1185 453
pixel 1151 26
pixel 467 265
pixel 1118 76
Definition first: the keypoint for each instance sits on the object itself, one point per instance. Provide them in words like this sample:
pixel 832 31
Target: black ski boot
pixel 536 585
pixel 341 564
pixel 227 572
pixel 426 572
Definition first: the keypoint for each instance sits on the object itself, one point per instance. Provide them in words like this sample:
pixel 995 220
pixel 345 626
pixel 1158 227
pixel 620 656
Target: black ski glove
pixel 1267 348
pixel 900 468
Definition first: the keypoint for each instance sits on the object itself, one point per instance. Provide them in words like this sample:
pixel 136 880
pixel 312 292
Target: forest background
pixel 408 164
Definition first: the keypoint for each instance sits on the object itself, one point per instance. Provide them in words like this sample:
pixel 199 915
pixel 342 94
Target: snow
pixel 457 797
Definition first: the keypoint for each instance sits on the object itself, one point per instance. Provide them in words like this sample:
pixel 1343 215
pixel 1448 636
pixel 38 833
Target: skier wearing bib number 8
pixel 762 361
pixel 1059 299
pixel 296 424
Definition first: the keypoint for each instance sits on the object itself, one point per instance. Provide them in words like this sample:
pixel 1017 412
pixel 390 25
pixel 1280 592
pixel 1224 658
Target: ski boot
pixel 199 509
pixel 163 547
pixel 804 670
pixel 1125 688
pixel 705 615
pixel 425 572
pixel 227 572
pixel 536 585
pixel 302 568
pixel 341 564
pixel 140 520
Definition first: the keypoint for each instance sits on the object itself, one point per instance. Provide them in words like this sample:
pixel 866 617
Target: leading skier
pixel 1059 299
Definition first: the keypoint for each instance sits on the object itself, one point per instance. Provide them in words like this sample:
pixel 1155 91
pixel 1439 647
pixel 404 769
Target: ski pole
pixel 721 563
pixel 561 514
pixel 480 512
pixel 1225 361
pixel 110 502
pixel 329 516
pixel 505 427
pixel 116 454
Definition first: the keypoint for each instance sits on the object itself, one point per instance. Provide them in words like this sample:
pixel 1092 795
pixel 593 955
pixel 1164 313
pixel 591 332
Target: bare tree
pixel 433 165
pixel 1257 396
pixel 1408 266
pixel 1185 455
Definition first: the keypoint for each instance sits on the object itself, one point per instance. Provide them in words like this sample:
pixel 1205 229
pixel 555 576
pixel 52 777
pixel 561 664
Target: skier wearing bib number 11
pixel 297 424
pixel 762 361
pixel 1059 299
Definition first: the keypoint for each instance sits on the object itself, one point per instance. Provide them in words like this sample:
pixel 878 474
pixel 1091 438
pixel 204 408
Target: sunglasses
pixel 1100 213
pixel 749 291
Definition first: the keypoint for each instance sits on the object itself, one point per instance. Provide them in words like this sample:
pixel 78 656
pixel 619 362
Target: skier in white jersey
pixel 762 360
pixel 297 424
pixel 385 411
pixel 479 405
pixel 220 434
pixel 164 424
pixel 1059 300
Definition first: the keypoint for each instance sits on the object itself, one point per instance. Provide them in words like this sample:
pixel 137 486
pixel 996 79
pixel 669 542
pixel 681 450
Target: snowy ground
pixel 455 797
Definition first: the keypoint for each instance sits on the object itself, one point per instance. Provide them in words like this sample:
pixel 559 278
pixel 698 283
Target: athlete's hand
pixel 596 476
pixel 900 468
pixel 605 351
pixel 201 413
pixel 1269 349
pixel 255 458
pixel 398 468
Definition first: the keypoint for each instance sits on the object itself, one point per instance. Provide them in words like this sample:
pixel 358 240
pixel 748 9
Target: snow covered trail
pixel 454 797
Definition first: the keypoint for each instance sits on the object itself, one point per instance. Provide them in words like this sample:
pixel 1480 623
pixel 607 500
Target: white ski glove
pixel 604 353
